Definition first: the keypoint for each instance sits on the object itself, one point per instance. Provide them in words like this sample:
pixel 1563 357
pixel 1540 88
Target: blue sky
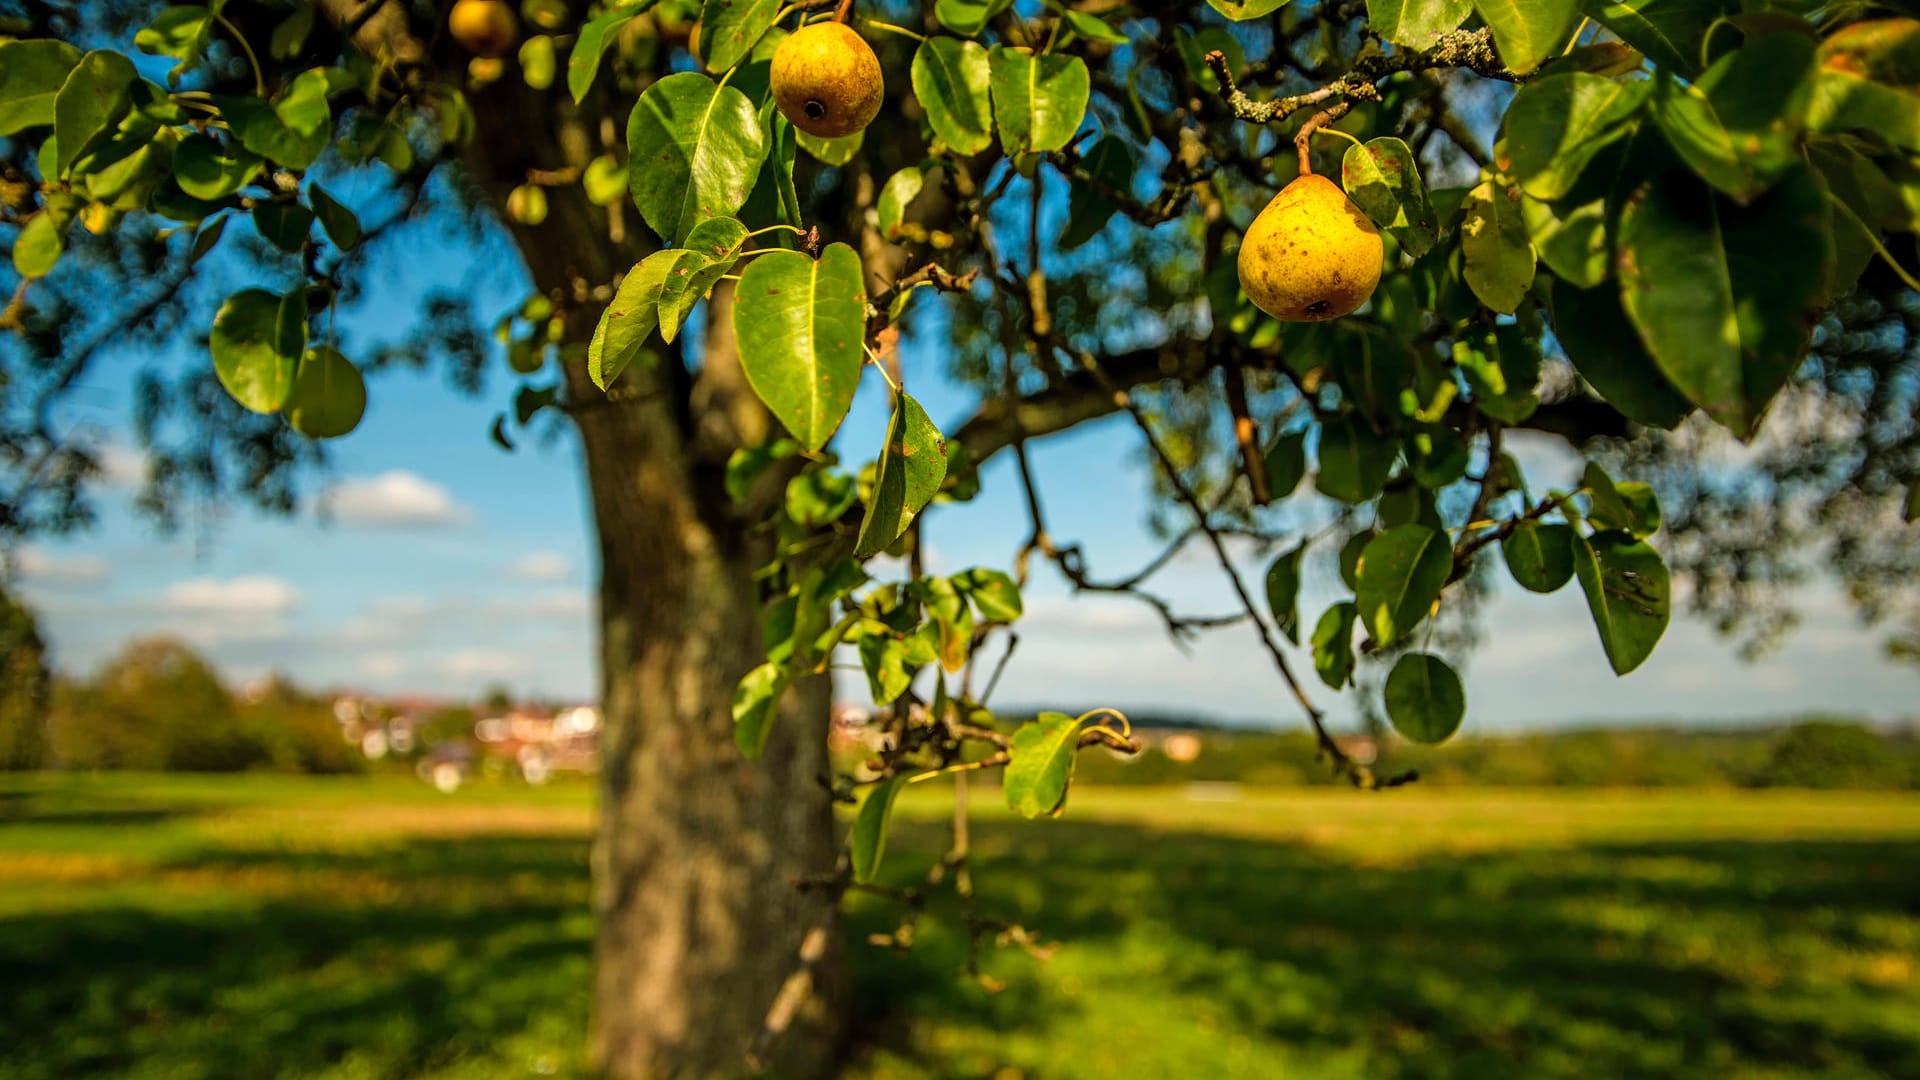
pixel 443 564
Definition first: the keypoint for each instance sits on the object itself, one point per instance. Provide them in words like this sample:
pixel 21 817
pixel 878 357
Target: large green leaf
pixel 1866 82
pixel 1527 31
pixel 911 468
pixel 1502 368
pixel 1283 591
pixel 1628 594
pixel 896 195
pixel 993 592
pixel 730 28
pixel 1400 575
pixel 1333 645
pixel 206 170
pixel 968 17
pixel 711 249
pixel 342 224
pixel 1088 211
pixel 1600 340
pixel 630 319
pixel 836 151
pixel 1286 463
pixel 1571 240
pixel 1354 461
pixel 1424 698
pixel 329 395
pixel 1738 127
pixel 91 103
pixel 583 63
pixel 1724 296
pixel 179 32
pixel 257 340
pixel 1040 764
pixel 693 151
pixel 285 224
pixel 1038 101
pixel 756 704
pixel 1630 505
pixel 44 237
pixel 1669 32
pixel 1557 124
pixel 1540 557
pixel 292 129
pixel 1417 24
pixel 868 843
pixel 1383 179
pixel 801 328
pixel 31 74
pixel 1493 240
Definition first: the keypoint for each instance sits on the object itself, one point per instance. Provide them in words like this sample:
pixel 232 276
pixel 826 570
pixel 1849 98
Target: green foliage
pixel 1424 698
pixel 1040 763
pixel 800 324
pixel 24 688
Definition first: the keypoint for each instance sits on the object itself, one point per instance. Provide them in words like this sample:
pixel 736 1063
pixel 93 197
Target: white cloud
pixel 541 566
pixel 552 603
pixel 395 498
pixel 481 664
pixel 38 567
pixel 381 665
pixel 121 466
pixel 255 594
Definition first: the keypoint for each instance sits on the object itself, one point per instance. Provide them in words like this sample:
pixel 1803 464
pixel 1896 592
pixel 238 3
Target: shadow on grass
pixel 472 957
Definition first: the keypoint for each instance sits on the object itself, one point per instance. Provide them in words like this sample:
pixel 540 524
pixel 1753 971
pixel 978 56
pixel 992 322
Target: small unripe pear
pixel 483 27
pixel 1311 254
pixel 826 80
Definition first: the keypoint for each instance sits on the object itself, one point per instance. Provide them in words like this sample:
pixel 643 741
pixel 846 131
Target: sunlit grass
pixel 276 927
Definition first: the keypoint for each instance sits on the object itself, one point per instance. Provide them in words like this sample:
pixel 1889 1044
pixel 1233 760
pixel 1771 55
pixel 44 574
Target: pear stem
pixel 845 9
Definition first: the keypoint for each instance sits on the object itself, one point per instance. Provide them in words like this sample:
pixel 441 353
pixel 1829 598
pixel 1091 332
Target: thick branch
pixel 1470 49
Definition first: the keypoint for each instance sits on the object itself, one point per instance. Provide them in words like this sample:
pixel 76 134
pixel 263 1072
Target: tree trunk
pixel 710 961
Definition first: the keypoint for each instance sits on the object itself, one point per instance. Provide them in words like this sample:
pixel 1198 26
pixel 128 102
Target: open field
pixel 279 927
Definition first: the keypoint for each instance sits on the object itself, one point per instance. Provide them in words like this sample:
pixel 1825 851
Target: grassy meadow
pixel 263 927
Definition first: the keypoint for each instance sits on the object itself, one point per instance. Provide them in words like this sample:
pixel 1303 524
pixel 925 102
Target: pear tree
pixel 1321 259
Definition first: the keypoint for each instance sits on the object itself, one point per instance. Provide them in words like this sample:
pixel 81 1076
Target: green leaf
pixel 1040 764
pixel 1557 124
pixel 1400 575
pixel 179 32
pixel 756 703
pixel 1571 240
pixel 1669 32
pixel 817 497
pixel 204 240
pixel 1417 24
pixel 1333 645
pixel 869 840
pixel 1502 367
pixel 1600 340
pixel 1738 127
pixel 583 63
pixel 1286 463
pixel 1383 179
pixel 801 326
pixel 1865 82
pixel 1723 296
pixel 1540 557
pixel 895 196
pixel 693 151
pixel 1373 367
pixel 836 151
pixel 40 243
pixel 1424 698
pixel 1436 455
pixel 1628 594
pixel 1094 28
pixel 1241 10
pixel 889 669
pixel 993 592
pixel 711 249
pixel 206 170
pixel 1910 513
pixel 1353 460
pixel 630 319
pixel 91 103
pixel 256 341
pixel 746 464
pixel 285 224
pixel 31 74
pixel 1527 31
pixel 290 35
pixel 329 395
pixel 537 62
pixel 1630 506
pixel 292 129
pixel 911 468
pixel 950 78
pixel 1090 208
pixel 1350 556
pixel 1493 239
pixel 968 17
pixel 1283 591
pixel 342 225
pixel 729 29
pixel 1038 102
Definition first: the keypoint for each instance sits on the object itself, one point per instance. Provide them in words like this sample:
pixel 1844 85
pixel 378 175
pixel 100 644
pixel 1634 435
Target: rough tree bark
pixel 709 961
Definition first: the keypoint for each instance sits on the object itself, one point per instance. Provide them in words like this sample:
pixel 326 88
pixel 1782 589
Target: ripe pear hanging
pixel 1311 254
pixel 826 80
pixel 485 28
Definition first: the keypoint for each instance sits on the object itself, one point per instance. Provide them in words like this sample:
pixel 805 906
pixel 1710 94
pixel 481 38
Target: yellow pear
pixel 483 27
pixel 1311 254
pixel 826 80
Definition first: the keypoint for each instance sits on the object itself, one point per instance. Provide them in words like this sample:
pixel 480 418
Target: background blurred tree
pixel 1596 221
pixel 24 688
